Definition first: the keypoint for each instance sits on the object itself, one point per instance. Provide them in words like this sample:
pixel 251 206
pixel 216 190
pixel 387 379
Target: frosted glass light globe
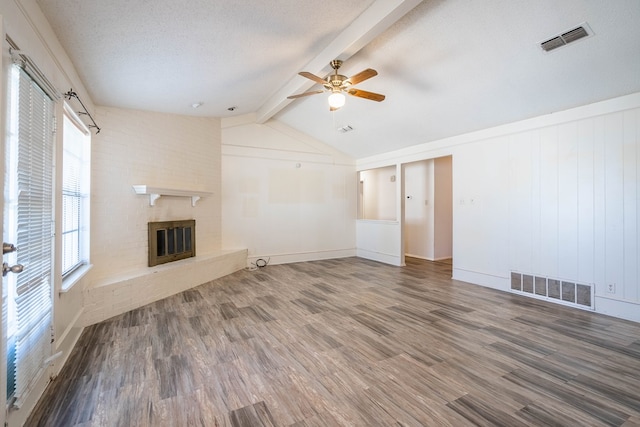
pixel 336 100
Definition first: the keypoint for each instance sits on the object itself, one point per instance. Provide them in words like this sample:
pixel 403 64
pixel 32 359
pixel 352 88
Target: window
pixel 75 193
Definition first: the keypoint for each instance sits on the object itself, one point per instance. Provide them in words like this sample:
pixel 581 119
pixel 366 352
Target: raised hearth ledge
pixel 145 271
pixel 155 193
pixel 119 294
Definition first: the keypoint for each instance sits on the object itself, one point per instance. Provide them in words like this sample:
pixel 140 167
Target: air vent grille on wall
pixel 567 37
pixel 554 290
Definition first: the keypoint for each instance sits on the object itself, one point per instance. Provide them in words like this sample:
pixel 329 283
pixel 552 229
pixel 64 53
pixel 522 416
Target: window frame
pixel 75 273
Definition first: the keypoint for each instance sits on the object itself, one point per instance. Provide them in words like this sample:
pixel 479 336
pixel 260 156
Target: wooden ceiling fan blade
pixel 367 95
pixel 361 76
pixel 313 77
pixel 300 95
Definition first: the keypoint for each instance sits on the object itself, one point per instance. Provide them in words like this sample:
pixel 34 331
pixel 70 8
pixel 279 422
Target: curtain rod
pixel 22 60
pixel 72 94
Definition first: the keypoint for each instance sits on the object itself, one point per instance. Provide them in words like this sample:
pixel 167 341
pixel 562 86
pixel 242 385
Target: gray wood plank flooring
pixel 349 342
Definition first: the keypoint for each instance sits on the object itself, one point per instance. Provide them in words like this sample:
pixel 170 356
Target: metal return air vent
pixel 554 290
pixel 567 37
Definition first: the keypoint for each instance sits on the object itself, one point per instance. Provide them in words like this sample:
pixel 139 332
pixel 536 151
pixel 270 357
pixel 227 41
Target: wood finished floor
pixel 349 342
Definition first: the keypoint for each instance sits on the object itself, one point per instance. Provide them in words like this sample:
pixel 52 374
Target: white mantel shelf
pixel 155 193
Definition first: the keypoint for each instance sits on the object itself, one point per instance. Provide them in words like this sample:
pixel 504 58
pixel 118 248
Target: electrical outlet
pixel 611 288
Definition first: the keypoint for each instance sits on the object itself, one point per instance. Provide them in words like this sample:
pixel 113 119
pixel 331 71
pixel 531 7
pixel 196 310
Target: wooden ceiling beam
pixel 371 23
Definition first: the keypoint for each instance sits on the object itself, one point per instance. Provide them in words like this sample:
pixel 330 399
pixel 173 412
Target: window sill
pixel 70 281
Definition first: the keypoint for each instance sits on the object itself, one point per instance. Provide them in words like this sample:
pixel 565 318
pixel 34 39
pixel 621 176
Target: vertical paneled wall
pixel 555 196
pixel 573 202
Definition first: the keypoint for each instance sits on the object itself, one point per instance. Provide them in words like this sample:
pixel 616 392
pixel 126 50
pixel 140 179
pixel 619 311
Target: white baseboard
pixel 418 257
pixel 67 341
pixel 617 308
pixel 482 279
pixel 621 309
pixel 18 417
pixel 380 257
pixel 427 258
pixel 301 256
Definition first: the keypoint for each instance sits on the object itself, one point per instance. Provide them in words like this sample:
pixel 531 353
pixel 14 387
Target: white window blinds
pixel 75 192
pixel 29 173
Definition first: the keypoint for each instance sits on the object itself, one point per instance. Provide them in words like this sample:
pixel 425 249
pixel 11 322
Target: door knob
pixel 14 268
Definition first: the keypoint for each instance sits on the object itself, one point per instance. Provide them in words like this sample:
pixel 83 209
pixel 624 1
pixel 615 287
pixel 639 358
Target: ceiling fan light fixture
pixel 336 100
pixel 338 84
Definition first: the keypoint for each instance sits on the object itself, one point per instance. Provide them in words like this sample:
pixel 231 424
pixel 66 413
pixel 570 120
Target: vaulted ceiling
pixel 447 67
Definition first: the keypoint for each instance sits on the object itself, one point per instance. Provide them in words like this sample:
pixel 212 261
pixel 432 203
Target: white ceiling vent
pixel 580 32
pixel 345 129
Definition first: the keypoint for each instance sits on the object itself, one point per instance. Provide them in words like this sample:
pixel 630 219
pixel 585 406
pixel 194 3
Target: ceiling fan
pixel 338 84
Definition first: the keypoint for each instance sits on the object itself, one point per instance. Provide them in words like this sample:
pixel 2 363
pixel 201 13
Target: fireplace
pixel 171 241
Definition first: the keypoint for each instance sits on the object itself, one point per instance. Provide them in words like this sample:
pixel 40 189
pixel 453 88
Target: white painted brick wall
pixel 121 294
pixel 163 150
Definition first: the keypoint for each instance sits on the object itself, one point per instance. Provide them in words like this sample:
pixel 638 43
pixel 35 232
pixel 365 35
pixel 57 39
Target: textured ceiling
pixel 165 55
pixel 446 67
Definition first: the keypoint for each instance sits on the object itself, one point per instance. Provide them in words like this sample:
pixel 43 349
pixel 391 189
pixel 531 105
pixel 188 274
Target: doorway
pixel 428 209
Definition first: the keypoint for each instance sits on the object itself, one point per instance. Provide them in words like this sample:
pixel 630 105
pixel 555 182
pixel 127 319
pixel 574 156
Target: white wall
pixel 554 196
pixel 380 238
pixel 574 200
pixel 285 196
pixel 480 214
pixel 380 241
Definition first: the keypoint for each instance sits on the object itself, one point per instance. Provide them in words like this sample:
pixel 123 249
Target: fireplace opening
pixel 171 241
